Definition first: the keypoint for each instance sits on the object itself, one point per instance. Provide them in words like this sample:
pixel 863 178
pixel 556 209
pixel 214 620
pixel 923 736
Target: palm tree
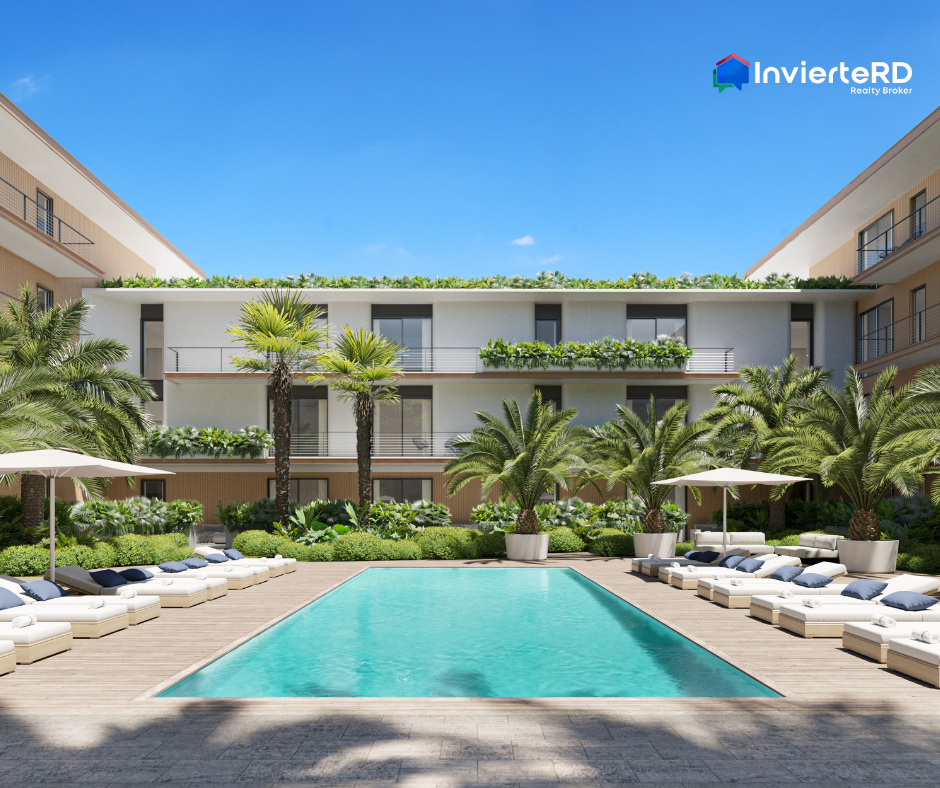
pixel 362 368
pixel 526 456
pixel 637 454
pixel 281 333
pixel 746 416
pixel 100 404
pixel 865 444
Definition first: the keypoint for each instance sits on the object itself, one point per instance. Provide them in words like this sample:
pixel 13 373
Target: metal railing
pixel 447 359
pixel 26 208
pixel 343 444
pixel 899 335
pixel 899 235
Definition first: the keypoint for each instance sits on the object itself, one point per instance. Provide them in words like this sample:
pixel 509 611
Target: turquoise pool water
pixel 495 633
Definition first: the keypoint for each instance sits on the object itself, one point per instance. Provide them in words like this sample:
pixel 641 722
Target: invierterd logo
pixel 732 71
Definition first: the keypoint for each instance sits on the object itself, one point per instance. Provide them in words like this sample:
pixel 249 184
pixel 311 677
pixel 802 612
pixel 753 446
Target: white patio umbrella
pixel 58 463
pixel 730 477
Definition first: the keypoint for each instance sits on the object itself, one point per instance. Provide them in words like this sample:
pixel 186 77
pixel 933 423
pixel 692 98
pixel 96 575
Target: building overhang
pixel 38 248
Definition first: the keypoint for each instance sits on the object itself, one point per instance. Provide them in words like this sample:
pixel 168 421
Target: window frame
pixel 809 338
pixel 864 256
pixel 47 224
pixel 889 340
pixel 422 479
pixel 918 324
pixel 273 481
pixel 918 228
pixel 49 297
pixel 162 485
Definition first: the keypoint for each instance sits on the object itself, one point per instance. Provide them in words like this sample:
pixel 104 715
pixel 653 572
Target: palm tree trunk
pixel 33 497
pixel 364 409
pixel 778 515
pixel 282 384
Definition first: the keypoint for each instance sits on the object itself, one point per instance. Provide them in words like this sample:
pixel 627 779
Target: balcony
pixel 902 249
pixel 41 237
pixel 343 444
pixel 909 338
pixel 443 361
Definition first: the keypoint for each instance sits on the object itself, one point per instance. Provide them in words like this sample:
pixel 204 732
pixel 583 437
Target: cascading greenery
pixel 143 516
pixel 626 516
pixel 248 442
pixel 610 354
pixel 545 280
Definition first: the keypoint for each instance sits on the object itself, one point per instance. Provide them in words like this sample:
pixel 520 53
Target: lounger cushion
pixel 786 573
pixel 748 565
pixel 26 636
pixel 916 649
pixel 233 554
pixel 109 578
pixel 908 600
pixel 810 580
pixel 216 558
pixel 43 590
pixel 8 599
pixel 173 566
pixel 195 563
pixel 136 575
pixel 731 561
pixel 864 589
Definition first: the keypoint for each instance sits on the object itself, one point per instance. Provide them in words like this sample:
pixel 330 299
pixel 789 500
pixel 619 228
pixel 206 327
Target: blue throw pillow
pixel 8 599
pixel 43 590
pixel 233 554
pixel 749 565
pixel 108 578
pixel 809 580
pixel 731 561
pixel 136 575
pixel 694 555
pixel 786 573
pixel 217 558
pixel 864 589
pixel 173 566
pixel 195 563
pixel 908 600
pixel 708 556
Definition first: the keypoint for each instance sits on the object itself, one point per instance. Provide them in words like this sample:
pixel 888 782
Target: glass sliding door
pixel 414 334
pixel 876 242
pixel 876 332
pixel 403 428
pixel 308 425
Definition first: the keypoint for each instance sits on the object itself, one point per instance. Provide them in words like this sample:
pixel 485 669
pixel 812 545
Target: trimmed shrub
pixel 77 555
pixel 683 547
pixel 404 550
pixel 132 550
pixel 318 552
pixel 180 540
pixel 181 554
pixel 296 550
pixel 260 544
pixel 619 544
pixel 923 559
pixel 163 548
pixel 564 540
pixel 105 556
pixel 358 547
pixel 24 561
pixel 445 543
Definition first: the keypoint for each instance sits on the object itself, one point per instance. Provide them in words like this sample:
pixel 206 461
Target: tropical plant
pixel 639 454
pixel 248 442
pixel 101 404
pixel 524 456
pixel 866 444
pixel 606 353
pixel 283 335
pixel 362 368
pixel 746 415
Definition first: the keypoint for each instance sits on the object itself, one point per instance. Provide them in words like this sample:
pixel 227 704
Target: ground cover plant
pixel 177 442
pixel 610 354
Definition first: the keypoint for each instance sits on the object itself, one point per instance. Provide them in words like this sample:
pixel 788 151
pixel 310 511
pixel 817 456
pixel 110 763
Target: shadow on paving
pixel 231 743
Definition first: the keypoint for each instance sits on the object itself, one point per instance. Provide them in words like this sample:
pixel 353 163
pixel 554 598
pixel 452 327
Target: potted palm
pixel 523 456
pixel 638 453
pixel 866 445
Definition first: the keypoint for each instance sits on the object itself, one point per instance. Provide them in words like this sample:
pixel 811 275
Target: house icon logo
pixel 731 71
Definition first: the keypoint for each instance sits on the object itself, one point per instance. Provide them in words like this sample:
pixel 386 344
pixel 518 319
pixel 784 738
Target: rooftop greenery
pixel 545 280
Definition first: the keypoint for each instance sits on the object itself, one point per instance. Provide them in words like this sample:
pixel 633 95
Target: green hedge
pixel 610 354
pixel 447 542
pixel 923 559
pixel 564 540
pixel 358 547
pixel 318 552
pixel 618 544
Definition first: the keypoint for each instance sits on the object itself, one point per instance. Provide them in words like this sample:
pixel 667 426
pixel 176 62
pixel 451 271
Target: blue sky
pixel 425 137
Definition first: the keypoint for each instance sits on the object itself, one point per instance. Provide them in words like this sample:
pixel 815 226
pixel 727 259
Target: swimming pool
pixel 464 632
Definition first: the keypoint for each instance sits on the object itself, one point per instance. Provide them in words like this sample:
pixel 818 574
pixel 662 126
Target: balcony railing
pixel 900 335
pixel 343 444
pixel 27 209
pixel 899 235
pixel 447 359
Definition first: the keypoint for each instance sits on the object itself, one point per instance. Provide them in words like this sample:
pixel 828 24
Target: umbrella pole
pixel 724 519
pixel 52 528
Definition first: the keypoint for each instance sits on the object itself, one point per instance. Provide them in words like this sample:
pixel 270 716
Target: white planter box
pixel 879 557
pixel 526 547
pixel 661 545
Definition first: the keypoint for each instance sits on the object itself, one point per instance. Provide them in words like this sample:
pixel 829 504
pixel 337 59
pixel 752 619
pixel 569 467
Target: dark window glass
pixel 414 333
pixel 401 490
pixel 918 315
pixel 153 488
pixel 876 241
pixel 44 216
pixel 44 298
pixel 641 407
pixel 302 491
pixel 801 342
pixel 876 332
pixel 403 428
pixel 919 215
pixel 548 331
pixel 646 329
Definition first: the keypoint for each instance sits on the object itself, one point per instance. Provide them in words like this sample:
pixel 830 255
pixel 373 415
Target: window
pixel 918 314
pixel 302 491
pixel 44 215
pixel 403 428
pixel 550 496
pixel 308 424
pixel 401 490
pixel 550 394
pixel 153 488
pixel 151 355
pixel 801 334
pixel 876 241
pixel 919 215
pixel 410 326
pixel 638 399
pixel 44 298
pixel 548 323
pixel 876 332
pixel 646 322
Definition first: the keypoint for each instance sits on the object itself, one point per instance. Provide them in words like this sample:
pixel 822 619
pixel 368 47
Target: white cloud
pixel 25 86
pixel 526 240
pixel 549 260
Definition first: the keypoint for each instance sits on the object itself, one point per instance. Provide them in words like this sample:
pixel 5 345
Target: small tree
pixel 283 336
pixel 362 369
pixel 525 456
pixel 638 454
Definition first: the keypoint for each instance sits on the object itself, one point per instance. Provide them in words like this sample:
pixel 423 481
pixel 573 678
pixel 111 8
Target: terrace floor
pixel 88 717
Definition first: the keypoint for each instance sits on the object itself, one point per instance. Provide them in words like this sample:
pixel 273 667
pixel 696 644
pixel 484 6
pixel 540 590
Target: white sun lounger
pixel 651 566
pixel 86 622
pixel 140 608
pixel 7 657
pixel 725 593
pixel 237 577
pixel 37 641
pixel 915 658
pixel 687 577
pixel 178 593
pixel 871 640
pixel 276 566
